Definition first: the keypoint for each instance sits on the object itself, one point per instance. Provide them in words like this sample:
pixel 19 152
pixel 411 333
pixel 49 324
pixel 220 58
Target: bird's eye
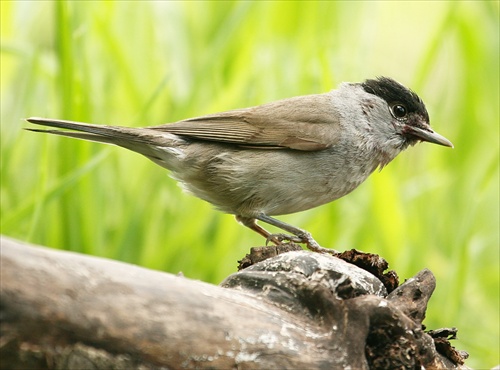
pixel 399 111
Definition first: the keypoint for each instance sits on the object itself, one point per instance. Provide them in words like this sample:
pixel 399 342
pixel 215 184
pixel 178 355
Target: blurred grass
pixel 145 63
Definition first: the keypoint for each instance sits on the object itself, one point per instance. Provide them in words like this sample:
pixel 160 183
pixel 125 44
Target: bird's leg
pixel 251 223
pixel 302 235
pixel 299 235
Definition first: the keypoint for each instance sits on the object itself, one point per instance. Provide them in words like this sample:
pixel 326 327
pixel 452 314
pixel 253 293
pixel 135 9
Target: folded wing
pixel 301 123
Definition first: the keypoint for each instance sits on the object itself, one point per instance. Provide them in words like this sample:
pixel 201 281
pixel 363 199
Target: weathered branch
pixel 296 310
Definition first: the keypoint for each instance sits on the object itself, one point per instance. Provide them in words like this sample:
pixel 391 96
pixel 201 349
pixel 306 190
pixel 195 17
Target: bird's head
pixel 400 119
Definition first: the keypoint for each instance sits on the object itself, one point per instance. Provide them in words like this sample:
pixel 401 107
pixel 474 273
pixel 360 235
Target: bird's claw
pixel 280 238
pixel 313 245
pixel 304 238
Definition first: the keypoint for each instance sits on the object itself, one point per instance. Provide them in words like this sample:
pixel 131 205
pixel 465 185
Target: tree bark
pixel 63 310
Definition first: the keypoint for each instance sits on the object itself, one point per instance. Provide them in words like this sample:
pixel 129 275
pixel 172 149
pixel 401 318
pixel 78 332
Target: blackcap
pixel 282 157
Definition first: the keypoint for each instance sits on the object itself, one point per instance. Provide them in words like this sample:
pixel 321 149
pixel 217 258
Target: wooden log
pixel 63 310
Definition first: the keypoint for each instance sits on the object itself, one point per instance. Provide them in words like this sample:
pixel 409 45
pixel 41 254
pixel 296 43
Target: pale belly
pixel 274 182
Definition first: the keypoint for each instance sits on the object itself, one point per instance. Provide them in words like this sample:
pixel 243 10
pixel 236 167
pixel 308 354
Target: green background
pixel 147 63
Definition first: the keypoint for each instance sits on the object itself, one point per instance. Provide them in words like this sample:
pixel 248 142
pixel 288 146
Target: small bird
pixel 281 157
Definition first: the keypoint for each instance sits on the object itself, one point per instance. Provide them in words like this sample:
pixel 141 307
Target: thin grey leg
pixel 302 235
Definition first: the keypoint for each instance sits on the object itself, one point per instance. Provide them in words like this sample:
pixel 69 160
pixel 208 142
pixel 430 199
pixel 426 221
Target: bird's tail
pixel 163 148
pixel 102 133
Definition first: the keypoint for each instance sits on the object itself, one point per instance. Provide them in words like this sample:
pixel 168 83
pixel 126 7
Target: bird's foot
pixel 296 235
pixel 280 238
pixel 303 238
pixel 313 245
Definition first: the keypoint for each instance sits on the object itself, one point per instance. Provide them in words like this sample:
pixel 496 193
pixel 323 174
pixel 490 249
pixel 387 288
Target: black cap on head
pixel 393 92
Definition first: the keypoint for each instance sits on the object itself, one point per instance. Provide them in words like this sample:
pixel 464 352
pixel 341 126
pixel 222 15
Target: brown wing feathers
pixel 293 123
pixel 299 123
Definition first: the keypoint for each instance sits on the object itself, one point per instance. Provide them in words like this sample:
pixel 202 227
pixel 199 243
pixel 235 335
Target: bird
pixel 281 157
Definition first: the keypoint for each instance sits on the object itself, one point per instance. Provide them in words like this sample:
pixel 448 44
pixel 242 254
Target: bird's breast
pixel 252 181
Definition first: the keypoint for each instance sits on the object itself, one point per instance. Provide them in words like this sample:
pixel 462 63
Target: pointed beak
pixel 428 135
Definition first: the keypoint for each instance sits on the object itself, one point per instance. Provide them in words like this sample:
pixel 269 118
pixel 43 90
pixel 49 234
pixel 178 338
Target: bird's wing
pixel 305 123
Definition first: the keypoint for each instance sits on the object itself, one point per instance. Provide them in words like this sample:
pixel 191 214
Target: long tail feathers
pixel 77 135
pixel 101 133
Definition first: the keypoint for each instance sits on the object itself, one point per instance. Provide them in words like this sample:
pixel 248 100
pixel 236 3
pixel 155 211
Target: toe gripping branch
pixel 298 235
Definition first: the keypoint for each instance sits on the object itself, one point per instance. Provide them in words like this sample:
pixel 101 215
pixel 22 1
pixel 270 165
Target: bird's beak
pixel 428 135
